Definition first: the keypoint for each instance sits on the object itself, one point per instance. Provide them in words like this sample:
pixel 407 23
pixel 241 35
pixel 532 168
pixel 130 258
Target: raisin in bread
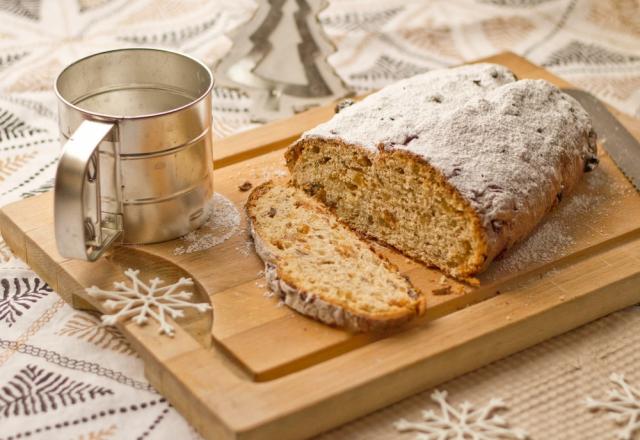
pixel 451 167
pixel 321 268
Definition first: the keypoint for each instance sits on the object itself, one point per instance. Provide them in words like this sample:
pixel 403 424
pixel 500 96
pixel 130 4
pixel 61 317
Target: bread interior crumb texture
pixel 379 195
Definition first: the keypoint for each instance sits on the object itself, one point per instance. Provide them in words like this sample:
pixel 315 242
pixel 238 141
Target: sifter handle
pixel 79 231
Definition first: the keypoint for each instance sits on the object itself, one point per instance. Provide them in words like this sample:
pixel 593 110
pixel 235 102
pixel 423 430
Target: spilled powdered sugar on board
pixel 554 237
pixel 258 175
pixel 246 248
pixel 223 221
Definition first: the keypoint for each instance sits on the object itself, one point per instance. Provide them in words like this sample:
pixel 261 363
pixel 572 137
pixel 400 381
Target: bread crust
pixel 337 314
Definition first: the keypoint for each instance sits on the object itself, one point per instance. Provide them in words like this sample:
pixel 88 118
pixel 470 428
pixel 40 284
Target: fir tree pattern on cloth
pixel 12 127
pixel 17 295
pixel 87 327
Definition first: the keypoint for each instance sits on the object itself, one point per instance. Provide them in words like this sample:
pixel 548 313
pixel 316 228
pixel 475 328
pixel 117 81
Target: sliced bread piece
pixel 322 269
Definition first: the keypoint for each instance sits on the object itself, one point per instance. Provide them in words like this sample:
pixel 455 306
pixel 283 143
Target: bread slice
pixel 322 269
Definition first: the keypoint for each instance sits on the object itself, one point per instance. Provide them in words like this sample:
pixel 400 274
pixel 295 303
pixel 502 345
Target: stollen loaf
pixel 451 167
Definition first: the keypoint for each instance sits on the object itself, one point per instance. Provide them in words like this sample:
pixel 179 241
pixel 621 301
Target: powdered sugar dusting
pixel 509 147
pixel 258 175
pixel 222 223
pixel 246 248
pixel 597 194
pixel 548 242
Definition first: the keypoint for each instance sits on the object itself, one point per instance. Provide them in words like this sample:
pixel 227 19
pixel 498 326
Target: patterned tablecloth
pixel 62 375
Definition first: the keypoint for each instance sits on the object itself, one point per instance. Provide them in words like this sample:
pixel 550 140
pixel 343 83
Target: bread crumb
pixel 443 280
pixel 245 248
pixel 446 290
pixel 459 289
pixel 246 186
pixel 223 222
pixel 472 281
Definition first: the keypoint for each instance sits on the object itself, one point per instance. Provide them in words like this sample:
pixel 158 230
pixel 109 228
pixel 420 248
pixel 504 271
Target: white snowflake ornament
pixel 465 423
pixel 623 406
pixel 141 301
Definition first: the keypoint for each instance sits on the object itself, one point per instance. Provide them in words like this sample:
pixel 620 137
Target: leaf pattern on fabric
pixel 45 187
pixel 34 390
pixel 89 328
pixel 502 31
pixel 614 88
pixel 8 59
pixel 101 434
pixel 621 15
pixel 24 8
pixel 162 10
pixel 386 69
pixel 582 53
pixel 434 40
pixel 94 368
pixel 87 5
pixel 17 295
pixel 11 164
pixel 517 3
pixel 38 108
pixel 175 37
pixel 39 79
pixel 370 21
pixel 12 127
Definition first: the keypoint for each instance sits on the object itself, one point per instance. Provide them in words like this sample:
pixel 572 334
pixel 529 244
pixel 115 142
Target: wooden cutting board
pixel 271 373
